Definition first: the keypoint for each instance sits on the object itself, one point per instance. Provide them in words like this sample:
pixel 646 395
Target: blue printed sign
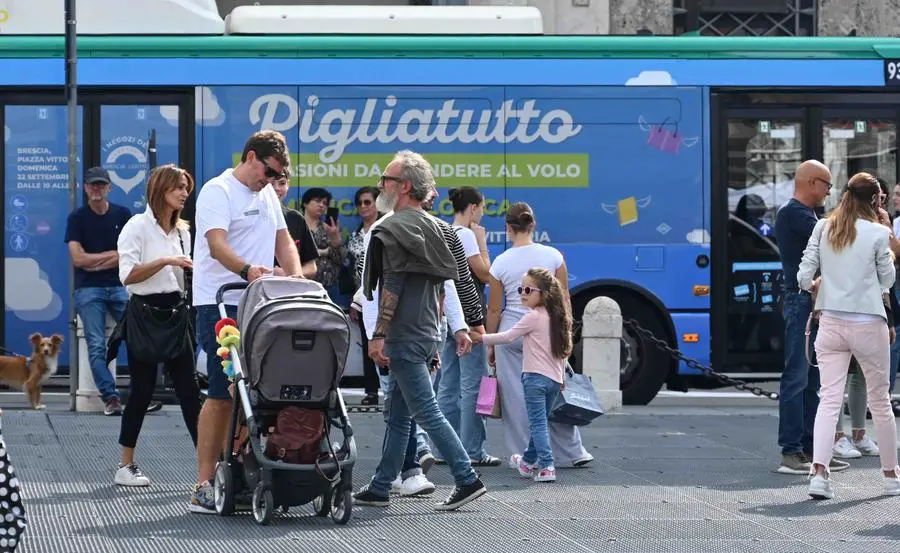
pixel 124 148
pixel 36 279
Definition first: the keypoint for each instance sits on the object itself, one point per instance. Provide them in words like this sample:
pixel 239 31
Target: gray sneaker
pixel 203 499
pixel 113 407
pixel 794 463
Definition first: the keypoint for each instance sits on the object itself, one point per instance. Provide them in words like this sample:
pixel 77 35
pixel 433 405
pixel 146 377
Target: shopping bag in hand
pixel 488 402
pixel 578 404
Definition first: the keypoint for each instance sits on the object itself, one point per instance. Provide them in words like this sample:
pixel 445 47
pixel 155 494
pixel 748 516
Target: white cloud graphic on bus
pixel 698 236
pixel 652 78
pixel 29 294
pixel 207 111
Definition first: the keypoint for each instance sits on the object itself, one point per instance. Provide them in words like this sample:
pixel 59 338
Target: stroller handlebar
pixel 220 294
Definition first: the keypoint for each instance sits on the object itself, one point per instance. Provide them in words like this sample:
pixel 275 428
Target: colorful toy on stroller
pixel 286 354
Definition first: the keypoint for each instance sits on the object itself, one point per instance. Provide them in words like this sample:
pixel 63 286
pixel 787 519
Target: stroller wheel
pixel 322 504
pixel 342 506
pixel 223 488
pixel 263 504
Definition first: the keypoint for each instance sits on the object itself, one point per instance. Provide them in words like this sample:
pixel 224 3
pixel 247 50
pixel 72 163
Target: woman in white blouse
pixel 851 250
pixel 154 252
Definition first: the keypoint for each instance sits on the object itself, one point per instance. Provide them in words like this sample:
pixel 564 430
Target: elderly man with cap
pixel 92 232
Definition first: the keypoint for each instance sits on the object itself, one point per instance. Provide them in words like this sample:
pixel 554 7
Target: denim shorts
pixel 207 317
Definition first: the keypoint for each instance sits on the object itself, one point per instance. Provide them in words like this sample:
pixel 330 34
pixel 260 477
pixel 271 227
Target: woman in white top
pixel 851 250
pixel 154 254
pixel 507 271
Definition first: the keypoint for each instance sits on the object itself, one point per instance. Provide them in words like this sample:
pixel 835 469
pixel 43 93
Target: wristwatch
pixel 245 272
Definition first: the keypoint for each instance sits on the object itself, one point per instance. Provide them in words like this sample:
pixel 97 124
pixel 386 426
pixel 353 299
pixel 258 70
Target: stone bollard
pixel 601 334
pixel 87 398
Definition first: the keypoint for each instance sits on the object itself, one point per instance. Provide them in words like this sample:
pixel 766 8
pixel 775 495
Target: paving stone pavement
pixel 665 480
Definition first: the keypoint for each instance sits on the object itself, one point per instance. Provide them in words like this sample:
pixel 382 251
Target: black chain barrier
pixel 663 345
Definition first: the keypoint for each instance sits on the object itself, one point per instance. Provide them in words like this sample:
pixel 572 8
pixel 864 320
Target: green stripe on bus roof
pixel 455 47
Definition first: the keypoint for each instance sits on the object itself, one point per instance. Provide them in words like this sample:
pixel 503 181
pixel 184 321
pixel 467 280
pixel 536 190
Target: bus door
pixel 763 149
pixel 120 130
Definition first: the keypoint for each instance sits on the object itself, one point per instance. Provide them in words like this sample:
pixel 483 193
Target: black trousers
pixel 143 383
pixel 370 372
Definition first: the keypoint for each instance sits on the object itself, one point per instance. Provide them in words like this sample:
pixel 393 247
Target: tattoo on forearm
pixel 387 306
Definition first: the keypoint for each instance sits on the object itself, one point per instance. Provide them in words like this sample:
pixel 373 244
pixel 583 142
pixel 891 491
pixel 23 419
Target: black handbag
pixel 156 334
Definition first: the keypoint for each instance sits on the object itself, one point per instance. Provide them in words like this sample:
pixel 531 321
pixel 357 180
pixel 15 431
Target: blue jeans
pixel 457 394
pixel 411 466
pixel 799 399
pixel 540 393
pixel 421 439
pixel 92 305
pixel 414 398
pixel 207 317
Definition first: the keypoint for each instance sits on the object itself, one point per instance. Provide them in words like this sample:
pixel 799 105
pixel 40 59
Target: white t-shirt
pixel 141 241
pixel 469 242
pixel 251 220
pixel 510 267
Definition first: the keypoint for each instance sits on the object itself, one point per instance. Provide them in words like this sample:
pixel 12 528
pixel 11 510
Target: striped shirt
pixel 465 285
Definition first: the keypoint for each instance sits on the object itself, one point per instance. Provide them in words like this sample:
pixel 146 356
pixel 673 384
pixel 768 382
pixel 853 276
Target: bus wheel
pixel 644 367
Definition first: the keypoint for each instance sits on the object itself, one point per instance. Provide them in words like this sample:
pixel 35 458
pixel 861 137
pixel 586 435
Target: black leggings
pixel 143 383
pixel 370 372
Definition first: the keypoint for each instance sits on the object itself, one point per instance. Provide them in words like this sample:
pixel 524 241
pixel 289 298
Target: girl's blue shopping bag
pixel 578 404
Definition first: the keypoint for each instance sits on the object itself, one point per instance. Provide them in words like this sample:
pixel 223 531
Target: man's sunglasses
pixel 270 173
pixel 528 290
pixel 388 177
pixel 365 202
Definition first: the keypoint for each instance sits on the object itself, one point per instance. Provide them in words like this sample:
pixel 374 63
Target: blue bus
pixel 655 164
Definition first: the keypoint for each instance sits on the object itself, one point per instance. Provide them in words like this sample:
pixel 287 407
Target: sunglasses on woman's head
pixel 527 290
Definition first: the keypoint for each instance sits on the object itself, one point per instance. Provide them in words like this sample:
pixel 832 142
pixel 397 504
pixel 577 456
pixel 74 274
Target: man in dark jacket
pixel 408 261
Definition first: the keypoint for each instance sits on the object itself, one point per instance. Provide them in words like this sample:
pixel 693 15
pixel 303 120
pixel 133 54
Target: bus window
pixel 762 158
pixel 855 144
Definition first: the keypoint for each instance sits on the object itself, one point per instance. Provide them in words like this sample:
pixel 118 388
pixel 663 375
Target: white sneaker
pixel 820 487
pixel 891 485
pixel 843 449
pixel 866 446
pixel 396 485
pixel 131 475
pixel 416 485
pixel 582 461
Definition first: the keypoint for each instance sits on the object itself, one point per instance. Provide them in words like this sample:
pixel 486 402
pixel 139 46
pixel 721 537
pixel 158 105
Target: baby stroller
pixel 293 347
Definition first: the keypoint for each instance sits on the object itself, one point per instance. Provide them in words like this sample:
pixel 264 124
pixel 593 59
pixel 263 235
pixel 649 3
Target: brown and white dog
pixel 30 374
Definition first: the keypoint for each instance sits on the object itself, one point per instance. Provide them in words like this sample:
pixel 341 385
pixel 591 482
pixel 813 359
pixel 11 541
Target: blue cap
pixel 96 175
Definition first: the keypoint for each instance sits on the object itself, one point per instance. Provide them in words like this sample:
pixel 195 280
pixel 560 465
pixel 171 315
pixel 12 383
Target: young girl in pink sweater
pixel 547 342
